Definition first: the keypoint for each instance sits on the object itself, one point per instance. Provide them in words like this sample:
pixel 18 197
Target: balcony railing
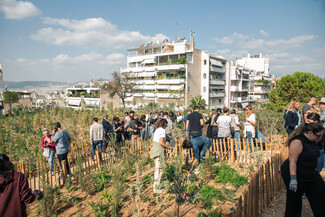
pixel 217 82
pixel 217 69
pixel 212 95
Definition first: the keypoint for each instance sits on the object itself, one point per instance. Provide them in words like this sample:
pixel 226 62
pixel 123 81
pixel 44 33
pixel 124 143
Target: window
pixel 220 100
pixel 205 62
pixel 188 89
pixel 204 75
pixel 204 89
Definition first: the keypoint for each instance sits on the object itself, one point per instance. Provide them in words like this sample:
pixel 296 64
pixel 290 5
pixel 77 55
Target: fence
pixel 263 184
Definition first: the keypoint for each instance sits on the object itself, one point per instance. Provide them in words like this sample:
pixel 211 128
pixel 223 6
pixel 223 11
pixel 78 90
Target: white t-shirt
pixel 249 126
pixel 224 122
pixel 224 126
pixel 179 119
pixel 160 132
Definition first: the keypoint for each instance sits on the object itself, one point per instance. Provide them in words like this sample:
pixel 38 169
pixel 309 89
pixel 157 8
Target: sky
pixel 80 40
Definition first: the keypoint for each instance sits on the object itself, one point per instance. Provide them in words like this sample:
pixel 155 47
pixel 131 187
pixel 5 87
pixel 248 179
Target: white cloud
pixel 18 9
pixel 91 32
pixel 264 33
pixel 63 67
pixel 286 55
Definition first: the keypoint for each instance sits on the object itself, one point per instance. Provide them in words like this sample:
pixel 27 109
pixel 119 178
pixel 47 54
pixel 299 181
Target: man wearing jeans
pixel 96 137
pixel 61 139
pixel 200 145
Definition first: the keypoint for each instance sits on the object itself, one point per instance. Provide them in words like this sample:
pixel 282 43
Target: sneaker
pixel 197 171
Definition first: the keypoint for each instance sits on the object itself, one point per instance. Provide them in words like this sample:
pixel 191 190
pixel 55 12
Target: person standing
pixel 179 117
pixel 96 137
pixel 135 127
pixel 200 145
pixel 299 171
pixel 169 127
pixel 14 190
pixel 195 123
pixel 249 131
pixel 235 127
pixel 209 122
pixel 157 152
pixel 185 119
pixel 153 121
pixel 107 130
pixel 127 121
pixel 292 120
pixel 118 129
pixel 48 144
pixel 312 102
pixel 61 139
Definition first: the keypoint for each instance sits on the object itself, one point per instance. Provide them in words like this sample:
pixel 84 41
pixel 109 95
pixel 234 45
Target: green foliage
pixel 100 180
pixel 118 187
pixel 299 86
pixel 209 195
pixel 182 60
pixel 100 209
pixel 198 101
pixel 207 167
pixel 48 204
pixel 192 178
pixel 10 97
pixel 213 213
pixel 227 174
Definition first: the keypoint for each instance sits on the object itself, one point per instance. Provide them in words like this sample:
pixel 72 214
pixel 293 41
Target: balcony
pixel 217 82
pixel 149 95
pixel 238 89
pixel 217 69
pixel 217 95
pixel 239 99
pixel 170 81
pixel 137 94
pixel 170 67
pixel 168 95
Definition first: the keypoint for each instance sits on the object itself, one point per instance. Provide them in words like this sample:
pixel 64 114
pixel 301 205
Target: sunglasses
pixel 317 135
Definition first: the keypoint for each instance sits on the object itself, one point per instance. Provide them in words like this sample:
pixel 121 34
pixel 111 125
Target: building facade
pixel 174 72
pixel 262 79
pixel 239 84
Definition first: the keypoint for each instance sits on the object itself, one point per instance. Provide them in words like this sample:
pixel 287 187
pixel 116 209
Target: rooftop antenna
pixel 176 32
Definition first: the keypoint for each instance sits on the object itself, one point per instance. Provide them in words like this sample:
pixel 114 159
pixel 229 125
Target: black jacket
pixel 292 120
pixel 107 126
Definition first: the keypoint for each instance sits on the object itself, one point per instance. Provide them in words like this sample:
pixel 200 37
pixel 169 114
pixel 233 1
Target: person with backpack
pixel 292 117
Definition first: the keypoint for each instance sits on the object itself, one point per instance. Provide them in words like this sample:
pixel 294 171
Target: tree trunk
pixel 9 108
pixel 123 101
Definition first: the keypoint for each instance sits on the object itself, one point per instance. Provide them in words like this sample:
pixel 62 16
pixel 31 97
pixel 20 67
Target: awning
pixel 215 62
pixel 148 61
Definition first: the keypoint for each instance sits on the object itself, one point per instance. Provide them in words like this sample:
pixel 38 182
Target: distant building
pixel 86 97
pixel 175 72
pixel 25 101
pixel 239 83
pixel 262 79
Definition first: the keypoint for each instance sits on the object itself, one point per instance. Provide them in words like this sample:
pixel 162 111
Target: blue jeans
pixel 99 145
pixel 200 145
pixel 236 135
pixel 249 135
pixel 62 157
pixel 151 129
pixel 50 160
pixel 320 160
pixel 195 134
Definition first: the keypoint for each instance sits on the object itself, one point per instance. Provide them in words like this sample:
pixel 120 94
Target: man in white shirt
pixel 96 137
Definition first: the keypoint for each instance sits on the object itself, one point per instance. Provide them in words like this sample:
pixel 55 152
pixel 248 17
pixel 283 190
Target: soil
pixel 277 206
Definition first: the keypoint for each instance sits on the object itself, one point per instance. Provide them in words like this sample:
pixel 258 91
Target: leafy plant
pixel 209 194
pixel 227 174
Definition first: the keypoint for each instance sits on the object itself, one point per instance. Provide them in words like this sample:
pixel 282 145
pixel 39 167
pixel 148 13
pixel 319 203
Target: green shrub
pixel 208 194
pixel 227 174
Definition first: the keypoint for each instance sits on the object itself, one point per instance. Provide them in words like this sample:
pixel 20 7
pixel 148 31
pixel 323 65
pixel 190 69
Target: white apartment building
pixel 174 72
pixel 239 83
pixel 79 96
pixel 262 79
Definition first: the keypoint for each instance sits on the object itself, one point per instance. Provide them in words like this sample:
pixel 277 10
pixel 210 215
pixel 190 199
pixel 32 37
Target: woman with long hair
pixel 157 152
pixel 213 112
pixel 214 124
pixel 299 171
pixel 293 117
pixel 14 190
pixel 118 130
pixel 249 131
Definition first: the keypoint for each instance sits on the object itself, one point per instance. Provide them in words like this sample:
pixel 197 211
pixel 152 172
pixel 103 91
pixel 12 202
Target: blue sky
pixel 79 40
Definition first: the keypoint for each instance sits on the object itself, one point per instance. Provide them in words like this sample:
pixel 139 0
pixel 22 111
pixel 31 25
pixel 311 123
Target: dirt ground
pixel 277 206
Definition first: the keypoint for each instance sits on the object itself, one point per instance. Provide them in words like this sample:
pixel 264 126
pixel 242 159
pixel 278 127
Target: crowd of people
pixel 300 172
